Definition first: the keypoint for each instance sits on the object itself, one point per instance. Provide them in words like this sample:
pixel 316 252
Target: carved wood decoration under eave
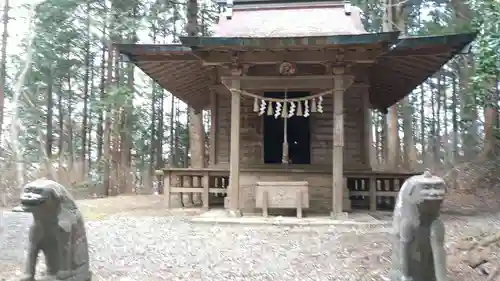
pixel 359 55
pixel 359 70
pixel 270 69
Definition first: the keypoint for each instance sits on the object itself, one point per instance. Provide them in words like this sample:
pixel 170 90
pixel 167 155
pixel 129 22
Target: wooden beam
pixel 302 56
pixel 234 157
pixel 338 143
pixel 284 82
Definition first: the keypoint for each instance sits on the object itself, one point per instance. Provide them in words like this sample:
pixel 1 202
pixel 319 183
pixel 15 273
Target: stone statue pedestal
pixel 74 278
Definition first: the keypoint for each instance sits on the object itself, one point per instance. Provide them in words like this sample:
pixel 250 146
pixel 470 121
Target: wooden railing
pixel 372 190
pixel 204 181
pixel 375 190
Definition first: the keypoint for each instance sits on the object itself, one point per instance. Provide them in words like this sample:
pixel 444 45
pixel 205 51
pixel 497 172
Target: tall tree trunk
pixel 196 129
pixel 49 116
pixel 468 110
pixel 107 126
pixel 160 135
pixel 92 97
pixel 437 120
pixel 410 152
pixel 100 120
pixel 454 117
pixel 177 125
pixel 446 136
pixel 432 138
pixel 422 124
pixel 116 127
pixel 152 145
pixel 86 79
pixel 153 128
pixel 378 139
pixel 374 142
pixel 69 123
pixel 491 143
pixel 196 138
pixel 60 110
pixel 384 133
pixel 126 142
pixel 172 132
pixel 394 17
pixel 3 63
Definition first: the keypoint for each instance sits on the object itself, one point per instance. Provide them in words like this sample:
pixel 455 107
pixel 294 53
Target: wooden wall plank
pixel 321 132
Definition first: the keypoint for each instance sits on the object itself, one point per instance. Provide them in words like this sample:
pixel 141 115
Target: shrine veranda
pixel 305 69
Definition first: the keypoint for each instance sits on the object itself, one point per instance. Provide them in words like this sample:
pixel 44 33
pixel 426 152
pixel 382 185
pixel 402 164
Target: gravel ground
pixel 171 248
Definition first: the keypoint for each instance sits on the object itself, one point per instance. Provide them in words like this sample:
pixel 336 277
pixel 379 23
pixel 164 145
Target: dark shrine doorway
pixel 298 134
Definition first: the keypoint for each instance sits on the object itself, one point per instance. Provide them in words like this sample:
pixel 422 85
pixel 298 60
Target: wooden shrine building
pixel 307 70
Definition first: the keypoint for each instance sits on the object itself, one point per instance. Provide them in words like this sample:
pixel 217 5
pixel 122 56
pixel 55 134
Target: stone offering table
pixel 287 195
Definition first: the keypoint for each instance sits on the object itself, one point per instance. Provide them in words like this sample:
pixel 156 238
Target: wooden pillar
pixel 338 143
pixel 234 159
pixel 213 128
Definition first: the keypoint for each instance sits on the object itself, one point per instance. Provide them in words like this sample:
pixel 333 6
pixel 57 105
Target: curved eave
pixel 173 67
pixel 410 62
pixel 284 42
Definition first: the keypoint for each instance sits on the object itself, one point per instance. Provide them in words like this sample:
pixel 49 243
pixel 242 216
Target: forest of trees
pixel 99 123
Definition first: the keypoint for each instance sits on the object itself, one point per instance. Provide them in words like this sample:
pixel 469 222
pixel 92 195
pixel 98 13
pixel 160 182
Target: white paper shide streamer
pixel 262 108
pixel 319 106
pixel 277 111
pixel 287 107
pixel 291 111
pixel 306 108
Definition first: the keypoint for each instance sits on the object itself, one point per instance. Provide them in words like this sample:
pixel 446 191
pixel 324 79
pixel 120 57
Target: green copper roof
pixel 277 42
pixel 422 41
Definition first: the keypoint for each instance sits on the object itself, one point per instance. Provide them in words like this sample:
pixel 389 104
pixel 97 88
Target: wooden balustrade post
pixel 181 194
pixel 206 190
pixel 346 200
pixel 372 185
pixel 159 174
pixel 197 182
pixel 167 186
pixel 190 184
